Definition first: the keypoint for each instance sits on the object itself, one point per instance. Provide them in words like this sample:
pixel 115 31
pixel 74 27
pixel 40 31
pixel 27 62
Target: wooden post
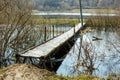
pixel 43 62
pixel 81 15
pixel 45 34
pixel 81 37
pixel 74 29
pixel 51 64
pixel 17 58
pixel 50 32
pixel 74 33
pixel 31 60
pixel 0 61
pixel 40 62
pixel 53 31
pixel 57 31
pixel 25 59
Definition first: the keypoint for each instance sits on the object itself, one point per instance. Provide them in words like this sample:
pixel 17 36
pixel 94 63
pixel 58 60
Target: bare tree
pixel 14 27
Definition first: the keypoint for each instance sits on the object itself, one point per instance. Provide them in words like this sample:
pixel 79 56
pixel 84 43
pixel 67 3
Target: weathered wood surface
pixel 46 48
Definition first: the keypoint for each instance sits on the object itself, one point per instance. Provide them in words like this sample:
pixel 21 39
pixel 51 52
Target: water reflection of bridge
pixel 52 51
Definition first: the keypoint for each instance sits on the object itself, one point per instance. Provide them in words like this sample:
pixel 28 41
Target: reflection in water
pixel 106 55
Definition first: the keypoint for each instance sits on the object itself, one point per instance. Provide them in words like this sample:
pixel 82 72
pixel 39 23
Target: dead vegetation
pixel 30 72
pixel 107 23
pixel 14 17
pixel 24 72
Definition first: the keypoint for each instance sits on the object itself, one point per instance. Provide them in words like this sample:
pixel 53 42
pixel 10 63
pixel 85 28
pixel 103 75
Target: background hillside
pixel 74 4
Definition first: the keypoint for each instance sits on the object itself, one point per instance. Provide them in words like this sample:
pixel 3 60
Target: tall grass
pixel 38 20
pixel 104 22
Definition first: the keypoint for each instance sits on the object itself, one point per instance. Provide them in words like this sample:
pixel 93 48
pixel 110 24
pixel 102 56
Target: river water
pixel 71 14
pixel 105 54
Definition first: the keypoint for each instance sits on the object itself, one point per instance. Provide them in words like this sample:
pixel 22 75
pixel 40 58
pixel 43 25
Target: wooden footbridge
pixel 51 50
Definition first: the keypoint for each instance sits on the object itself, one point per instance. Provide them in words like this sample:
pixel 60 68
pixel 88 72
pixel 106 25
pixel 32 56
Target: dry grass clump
pixel 24 72
pixel 30 72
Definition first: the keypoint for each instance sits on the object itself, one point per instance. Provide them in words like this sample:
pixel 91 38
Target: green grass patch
pixel 80 77
pixel 1 71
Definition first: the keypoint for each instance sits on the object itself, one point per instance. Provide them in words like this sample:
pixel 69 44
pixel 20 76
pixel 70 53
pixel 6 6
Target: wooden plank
pixel 44 49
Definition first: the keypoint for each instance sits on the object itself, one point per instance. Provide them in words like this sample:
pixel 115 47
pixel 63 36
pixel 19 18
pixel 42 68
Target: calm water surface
pixel 105 52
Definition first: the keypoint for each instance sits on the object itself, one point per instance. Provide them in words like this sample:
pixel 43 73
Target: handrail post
pixel 53 31
pixel 45 34
pixel 74 29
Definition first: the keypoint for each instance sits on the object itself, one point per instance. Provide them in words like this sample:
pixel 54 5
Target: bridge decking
pixel 46 48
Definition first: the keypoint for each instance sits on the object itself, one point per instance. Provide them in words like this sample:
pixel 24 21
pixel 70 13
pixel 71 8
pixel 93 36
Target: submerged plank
pixel 46 48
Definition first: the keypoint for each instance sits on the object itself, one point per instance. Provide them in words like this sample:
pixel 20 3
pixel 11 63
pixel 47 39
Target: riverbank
pixel 104 11
pixel 31 72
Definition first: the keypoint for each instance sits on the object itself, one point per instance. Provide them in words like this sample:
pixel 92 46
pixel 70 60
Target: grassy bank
pixel 80 77
pixel 30 72
pixel 77 10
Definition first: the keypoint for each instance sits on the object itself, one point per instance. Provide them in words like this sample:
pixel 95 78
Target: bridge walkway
pixel 46 49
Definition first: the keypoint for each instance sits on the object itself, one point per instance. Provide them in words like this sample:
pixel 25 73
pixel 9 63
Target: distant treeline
pixel 74 4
